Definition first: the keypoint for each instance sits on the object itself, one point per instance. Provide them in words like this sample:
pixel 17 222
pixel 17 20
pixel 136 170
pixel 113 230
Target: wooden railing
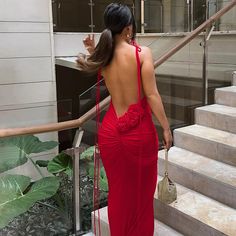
pixel 91 113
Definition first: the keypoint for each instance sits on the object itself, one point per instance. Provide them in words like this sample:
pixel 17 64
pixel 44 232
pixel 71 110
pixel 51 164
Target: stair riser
pixel 218 151
pixel 210 119
pixel 225 98
pixel 160 229
pixel 104 226
pixel 183 223
pixel 200 183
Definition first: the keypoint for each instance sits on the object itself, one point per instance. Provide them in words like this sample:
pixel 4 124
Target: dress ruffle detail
pixel 131 118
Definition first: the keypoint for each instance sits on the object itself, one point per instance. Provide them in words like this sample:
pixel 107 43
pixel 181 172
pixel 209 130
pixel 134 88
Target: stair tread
pixel 219 109
pixel 204 209
pixel 217 170
pixel 160 228
pixel 227 89
pixel 208 133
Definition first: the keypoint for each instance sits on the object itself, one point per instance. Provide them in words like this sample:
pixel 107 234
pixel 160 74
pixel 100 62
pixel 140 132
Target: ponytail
pixel 101 56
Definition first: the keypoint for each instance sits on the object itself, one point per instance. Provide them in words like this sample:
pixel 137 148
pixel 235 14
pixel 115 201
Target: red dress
pixel 129 147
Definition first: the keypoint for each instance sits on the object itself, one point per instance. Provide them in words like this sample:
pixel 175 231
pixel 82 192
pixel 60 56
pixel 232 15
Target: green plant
pixel 87 155
pixel 63 163
pixel 60 163
pixel 60 166
pixel 18 192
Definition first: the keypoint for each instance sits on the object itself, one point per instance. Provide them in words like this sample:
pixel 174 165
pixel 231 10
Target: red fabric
pixel 129 147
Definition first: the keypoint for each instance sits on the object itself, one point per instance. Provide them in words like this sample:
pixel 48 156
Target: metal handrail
pixel 92 112
pixel 194 33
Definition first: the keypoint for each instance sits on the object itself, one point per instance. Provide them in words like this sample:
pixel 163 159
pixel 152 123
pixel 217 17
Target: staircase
pixel 202 163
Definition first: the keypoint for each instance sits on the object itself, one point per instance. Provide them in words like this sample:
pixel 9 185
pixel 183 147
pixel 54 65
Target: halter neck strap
pixel 138 49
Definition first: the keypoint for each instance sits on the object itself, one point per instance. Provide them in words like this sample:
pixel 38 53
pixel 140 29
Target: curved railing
pixel 92 112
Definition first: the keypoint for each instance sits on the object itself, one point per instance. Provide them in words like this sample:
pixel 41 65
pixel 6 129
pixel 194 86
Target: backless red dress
pixel 128 147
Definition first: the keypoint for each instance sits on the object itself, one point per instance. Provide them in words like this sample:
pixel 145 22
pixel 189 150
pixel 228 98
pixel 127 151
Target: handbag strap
pixel 166 162
pixel 97 161
pixel 137 50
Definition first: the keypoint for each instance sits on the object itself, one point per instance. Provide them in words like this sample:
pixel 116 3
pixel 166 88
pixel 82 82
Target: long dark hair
pixel 116 18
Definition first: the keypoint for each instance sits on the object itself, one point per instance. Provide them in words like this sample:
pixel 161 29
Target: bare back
pixel 121 78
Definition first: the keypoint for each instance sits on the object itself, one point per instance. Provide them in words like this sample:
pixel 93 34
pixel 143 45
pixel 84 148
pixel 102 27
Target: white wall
pixel 27 76
pixel 70 44
pixel 27 73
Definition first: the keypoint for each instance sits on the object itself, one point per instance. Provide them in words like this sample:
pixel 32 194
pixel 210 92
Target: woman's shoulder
pixel 145 50
pixel 145 53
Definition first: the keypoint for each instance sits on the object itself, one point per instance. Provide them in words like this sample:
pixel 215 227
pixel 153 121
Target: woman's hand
pixel 167 138
pixel 89 43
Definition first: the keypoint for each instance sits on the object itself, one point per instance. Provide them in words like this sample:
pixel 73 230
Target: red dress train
pixel 129 147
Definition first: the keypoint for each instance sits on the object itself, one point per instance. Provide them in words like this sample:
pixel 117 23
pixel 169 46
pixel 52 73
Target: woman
pixel 127 138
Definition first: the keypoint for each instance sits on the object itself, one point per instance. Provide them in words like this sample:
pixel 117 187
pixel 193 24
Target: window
pixel 81 15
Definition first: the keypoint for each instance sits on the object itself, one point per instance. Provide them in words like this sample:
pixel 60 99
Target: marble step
pixel 217 116
pixel 226 96
pixel 160 228
pixel 215 144
pixel 194 214
pixel 209 177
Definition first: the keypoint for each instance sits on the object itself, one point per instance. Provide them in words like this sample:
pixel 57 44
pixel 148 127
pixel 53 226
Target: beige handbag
pixel 167 191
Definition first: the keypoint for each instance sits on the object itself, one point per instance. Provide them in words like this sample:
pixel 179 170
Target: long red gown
pixel 129 146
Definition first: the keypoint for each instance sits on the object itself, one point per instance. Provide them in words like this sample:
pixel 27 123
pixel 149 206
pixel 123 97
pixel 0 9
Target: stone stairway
pixel 202 163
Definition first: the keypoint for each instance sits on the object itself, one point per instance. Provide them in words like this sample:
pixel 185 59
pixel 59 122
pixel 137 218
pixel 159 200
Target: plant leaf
pixel 88 153
pixel 44 188
pixel 61 162
pixel 91 171
pixel 29 144
pixel 42 163
pixel 103 183
pixel 14 150
pixel 13 200
pixel 103 180
pixel 11 157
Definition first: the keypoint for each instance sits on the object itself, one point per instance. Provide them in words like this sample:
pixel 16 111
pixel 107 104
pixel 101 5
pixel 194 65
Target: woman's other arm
pixel 152 94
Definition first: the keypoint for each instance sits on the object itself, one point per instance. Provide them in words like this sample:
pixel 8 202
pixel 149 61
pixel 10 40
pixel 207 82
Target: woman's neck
pixel 119 40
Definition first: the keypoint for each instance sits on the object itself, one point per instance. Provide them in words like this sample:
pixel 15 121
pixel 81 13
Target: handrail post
pixel 74 152
pixel 192 8
pixel 205 61
pixel 204 71
pixel 91 4
pixel 142 17
pixel 76 179
pixel 189 15
pixel 206 38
